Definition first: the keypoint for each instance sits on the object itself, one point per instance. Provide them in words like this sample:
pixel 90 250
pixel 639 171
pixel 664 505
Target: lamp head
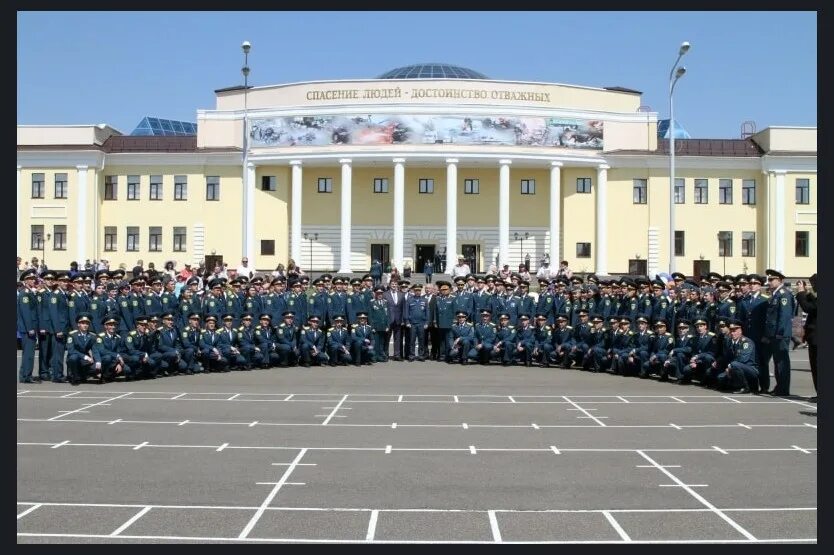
pixel 245 71
pixel 680 72
pixel 248 46
pixel 684 48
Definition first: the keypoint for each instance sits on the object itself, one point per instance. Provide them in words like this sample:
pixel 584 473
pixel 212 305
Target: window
pixel 212 187
pixel 679 243
pixel 640 191
pixel 132 239
pixel 748 191
pixel 528 186
pixel 325 184
pixel 133 187
pixel 803 191
pixel 725 191
pixel 701 191
pixel 583 184
pixel 59 237
pixel 680 190
pixel 37 237
pixel 267 247
pixel 156 187
pixel 110 238
pixel 38 186
pixel 269 183
pixel 725 243
pixel 180 187
pixel 748 243
pixel 155 239
pixel 803 246
pixel 179 239
pixel 471 186
pixel 61 185
pixel 111 186
pixel 583 250
pixel 380 185
pixel 426 186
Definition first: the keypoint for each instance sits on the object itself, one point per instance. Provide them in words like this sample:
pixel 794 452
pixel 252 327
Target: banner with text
pixel 425 129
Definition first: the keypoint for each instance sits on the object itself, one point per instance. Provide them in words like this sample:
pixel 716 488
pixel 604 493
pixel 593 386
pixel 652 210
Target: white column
pixel 555 213
pixel 601 267
pixel 82 226
pixel 451 213
pixel 19 210
pixel 504 212
pixel 295 216
pixel 399 211
pixel 779 204
pixel 249 200
pixel 344 265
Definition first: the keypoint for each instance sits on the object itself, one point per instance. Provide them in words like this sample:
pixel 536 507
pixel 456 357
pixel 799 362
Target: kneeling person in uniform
pixel 338 342
pixel 80 350
pixel 362 340
pixel 311 342
pixel 107 352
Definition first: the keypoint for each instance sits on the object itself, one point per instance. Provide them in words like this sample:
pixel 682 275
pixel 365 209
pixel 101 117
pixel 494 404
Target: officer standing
pixel 753 315
pixel 60 326
pixel 778 331
pixel 45 327
pixel 27 325
pixel 379 320
pixel 416 320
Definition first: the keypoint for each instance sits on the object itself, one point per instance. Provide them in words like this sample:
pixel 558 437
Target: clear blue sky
pixel 116 67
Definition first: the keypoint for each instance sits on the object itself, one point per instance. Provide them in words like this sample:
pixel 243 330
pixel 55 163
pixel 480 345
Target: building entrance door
pixel 381 252
pixel 472 254
pixel 700 268
pixel 423 253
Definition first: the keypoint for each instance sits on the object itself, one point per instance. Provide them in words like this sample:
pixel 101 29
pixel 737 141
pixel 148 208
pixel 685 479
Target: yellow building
pixel 402 167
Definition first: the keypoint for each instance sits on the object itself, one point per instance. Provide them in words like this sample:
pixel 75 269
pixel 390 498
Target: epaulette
pixel 511 327
pixel 689 336
pixel 306 327
pixel 132 332
pixel 354 325
pixel 101 334
pixel 667 334
pixel 710 333
pixel 73 332
pixel 568 327
pixel 630 332
pixel 649 332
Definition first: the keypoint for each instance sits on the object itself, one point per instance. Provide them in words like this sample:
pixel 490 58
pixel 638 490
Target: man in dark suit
pixel 396 306
pixel 433 343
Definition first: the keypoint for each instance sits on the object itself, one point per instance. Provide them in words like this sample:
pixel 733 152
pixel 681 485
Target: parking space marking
pixel 140 445
pixel 130 521
pixel 700 498
pixel 616 526
pixel 493 525
pixel 256 517
pixel 334 411
pixel 88 406
pixel 372 526
pixel 798 448
pixel 587 414
pixel 720 450
pixel 555 450
pixel 29 510
pixel 731 398
pixel 65 442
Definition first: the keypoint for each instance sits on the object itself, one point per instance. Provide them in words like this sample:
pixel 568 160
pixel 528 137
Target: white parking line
pixel 675 426
pixel 555 450
pixel 29 510
pixel 731 399
pixel 233 397
pixel 697 496
pixel 222 447
pixel 588 415
pixel 472 450
pixel 493 524
pixel 465 426
pixel 616 526
pixel 183 423
pixel 288 397
pixel 745 426
pixel 372 526
pixel 801 449
pixel 334 411
pixel 90 406
pixel 254 520
pixel 387 449
pixel 510 397
pixel 720 450
pixel 140 445
pixel 677 399
pixel 65 442
pixel 623 399
pixel 535 426
pixel 127 524
pixel 178 396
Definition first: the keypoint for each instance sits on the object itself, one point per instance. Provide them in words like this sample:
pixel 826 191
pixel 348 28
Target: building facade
pixel 335 173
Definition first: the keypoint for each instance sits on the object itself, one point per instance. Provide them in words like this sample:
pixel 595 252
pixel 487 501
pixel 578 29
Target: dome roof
pixel 432 71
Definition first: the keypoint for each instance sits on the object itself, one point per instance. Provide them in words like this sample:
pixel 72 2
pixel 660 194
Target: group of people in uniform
pixel 720 331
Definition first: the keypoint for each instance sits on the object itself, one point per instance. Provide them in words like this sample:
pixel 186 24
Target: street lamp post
pixel 311 237
pixel 519 237
pixel 675 74
pixel 248 211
